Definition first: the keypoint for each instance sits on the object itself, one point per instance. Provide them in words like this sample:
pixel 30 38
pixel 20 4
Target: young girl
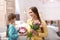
pixel 35 18
pixel 12 33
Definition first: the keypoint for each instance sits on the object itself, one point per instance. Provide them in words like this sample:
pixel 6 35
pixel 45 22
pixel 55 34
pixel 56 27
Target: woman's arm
pixel 28 25
pixel 45 30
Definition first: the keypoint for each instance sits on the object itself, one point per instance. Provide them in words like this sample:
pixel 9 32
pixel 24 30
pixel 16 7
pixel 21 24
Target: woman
pixel 12 33
pixel 42 32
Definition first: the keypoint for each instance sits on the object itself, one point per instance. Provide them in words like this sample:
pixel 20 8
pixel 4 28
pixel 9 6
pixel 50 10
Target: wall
pixel 6 7
pixel 2 12
pixel 49 10
pixel 2 15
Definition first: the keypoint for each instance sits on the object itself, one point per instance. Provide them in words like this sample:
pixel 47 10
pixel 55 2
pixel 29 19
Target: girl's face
pixel 13 20
pixel 32 13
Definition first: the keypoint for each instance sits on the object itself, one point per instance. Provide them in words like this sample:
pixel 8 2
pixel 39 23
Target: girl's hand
pixel 23 34
pixel 19 34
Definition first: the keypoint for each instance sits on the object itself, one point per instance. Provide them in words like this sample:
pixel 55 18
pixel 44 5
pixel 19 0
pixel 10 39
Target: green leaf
pixel 30 35
pixel 31 26
pixel 36 27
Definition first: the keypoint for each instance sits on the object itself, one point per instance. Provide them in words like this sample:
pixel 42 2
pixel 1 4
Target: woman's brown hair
pixel 35 10
pixel 10 17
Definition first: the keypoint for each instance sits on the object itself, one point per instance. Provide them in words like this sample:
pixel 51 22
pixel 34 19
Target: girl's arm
pixel 12 33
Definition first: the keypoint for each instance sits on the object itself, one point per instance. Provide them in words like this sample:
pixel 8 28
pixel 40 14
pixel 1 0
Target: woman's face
pixel 32 13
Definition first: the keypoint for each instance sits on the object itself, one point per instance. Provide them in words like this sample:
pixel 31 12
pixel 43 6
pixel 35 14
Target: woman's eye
pixel 30 12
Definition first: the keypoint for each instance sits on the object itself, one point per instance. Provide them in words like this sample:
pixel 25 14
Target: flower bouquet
pixel 34 27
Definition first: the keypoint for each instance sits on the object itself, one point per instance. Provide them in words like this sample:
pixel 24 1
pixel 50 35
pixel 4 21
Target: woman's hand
pixel 34 32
